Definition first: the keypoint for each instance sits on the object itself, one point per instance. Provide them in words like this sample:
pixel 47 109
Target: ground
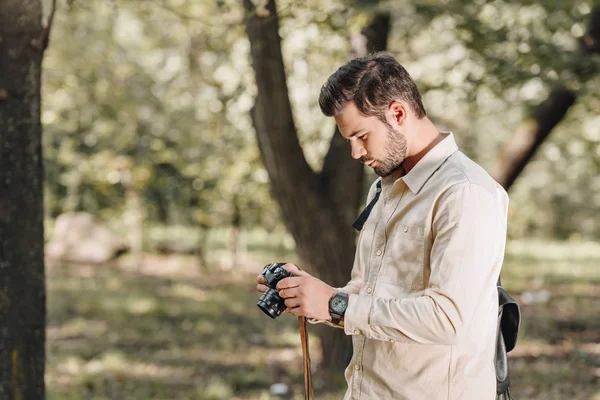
pixel 169 329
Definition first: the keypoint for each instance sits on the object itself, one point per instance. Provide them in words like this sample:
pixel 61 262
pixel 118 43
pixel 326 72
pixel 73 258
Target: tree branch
pixel 45 40
pixel 532 133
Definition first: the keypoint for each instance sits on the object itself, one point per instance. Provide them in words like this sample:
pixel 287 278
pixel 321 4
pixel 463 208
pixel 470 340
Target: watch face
pixel 339 303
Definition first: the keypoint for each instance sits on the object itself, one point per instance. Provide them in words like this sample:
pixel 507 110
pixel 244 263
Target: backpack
pixel 509 320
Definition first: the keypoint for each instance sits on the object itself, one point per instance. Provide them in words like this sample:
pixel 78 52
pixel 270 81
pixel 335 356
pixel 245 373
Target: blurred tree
pixel 532 132
pixel 146 111
pixel 154 130
pixel 164 110
pixel 318 208
pixel 497 32
pixel 22 280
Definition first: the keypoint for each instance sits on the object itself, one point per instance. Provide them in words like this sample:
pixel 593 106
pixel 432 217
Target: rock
pixel 279 389
pixel 79 237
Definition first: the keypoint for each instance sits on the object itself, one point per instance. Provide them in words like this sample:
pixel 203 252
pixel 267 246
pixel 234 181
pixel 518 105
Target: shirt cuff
pixel 324 322
pixel 356 318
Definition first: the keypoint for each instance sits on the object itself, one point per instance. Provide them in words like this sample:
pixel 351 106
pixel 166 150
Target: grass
pixel 168 329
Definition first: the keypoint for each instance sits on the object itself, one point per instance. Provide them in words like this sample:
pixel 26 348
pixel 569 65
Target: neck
pixel 425 136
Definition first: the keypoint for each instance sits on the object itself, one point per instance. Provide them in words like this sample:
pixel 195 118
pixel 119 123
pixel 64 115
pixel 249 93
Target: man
pixel 421 304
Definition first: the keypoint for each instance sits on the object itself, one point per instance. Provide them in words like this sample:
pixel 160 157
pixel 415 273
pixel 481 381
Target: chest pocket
pixel 404 257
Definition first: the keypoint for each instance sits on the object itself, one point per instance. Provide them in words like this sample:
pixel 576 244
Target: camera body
pixel 270 302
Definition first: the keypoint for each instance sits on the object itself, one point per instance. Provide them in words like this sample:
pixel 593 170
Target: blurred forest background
pixel 152 119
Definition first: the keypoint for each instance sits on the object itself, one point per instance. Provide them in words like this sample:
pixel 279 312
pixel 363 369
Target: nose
pixel 357 150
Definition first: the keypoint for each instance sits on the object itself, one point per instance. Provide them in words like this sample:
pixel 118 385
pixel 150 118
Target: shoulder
pixel 463 173
pixel 464 179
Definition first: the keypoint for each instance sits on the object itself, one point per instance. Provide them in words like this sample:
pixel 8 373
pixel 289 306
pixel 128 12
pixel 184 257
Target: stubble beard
pixel 395 155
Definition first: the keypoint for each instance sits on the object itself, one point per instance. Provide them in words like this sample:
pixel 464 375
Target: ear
pixel 398 112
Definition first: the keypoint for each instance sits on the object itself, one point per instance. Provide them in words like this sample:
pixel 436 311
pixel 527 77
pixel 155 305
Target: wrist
pixel 338 303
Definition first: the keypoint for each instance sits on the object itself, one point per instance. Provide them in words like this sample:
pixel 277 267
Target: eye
pixel 363 137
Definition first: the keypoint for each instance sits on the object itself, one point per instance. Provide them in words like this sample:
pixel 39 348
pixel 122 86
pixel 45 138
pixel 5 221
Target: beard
pixel 394 156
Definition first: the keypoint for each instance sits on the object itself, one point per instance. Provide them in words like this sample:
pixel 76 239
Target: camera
pixel 270 302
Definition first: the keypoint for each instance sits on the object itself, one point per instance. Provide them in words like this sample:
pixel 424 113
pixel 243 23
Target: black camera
pixel 270 302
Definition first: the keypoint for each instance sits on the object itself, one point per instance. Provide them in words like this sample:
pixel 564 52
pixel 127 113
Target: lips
pixel 367 162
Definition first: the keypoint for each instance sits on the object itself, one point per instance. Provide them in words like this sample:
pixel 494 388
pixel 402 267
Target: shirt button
pixel 378 252
pixel 392 341
pixel 356 331
pixel 357 367
pixel 406 229
pixel 369 290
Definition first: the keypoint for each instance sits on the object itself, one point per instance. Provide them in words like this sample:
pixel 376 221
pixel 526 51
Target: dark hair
pixel 373 82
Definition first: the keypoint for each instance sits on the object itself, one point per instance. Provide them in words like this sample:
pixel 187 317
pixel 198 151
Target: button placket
pixel 359 346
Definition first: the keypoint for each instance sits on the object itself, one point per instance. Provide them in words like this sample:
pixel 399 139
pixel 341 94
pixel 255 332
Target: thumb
pixel 294 270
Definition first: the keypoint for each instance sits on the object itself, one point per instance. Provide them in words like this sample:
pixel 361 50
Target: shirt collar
pixel 420 173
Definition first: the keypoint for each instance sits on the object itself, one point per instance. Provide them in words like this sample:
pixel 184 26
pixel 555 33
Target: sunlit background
pixel 150 150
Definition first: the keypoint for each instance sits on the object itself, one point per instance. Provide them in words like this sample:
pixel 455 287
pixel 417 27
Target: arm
pixel 469 228
pixel 352 287
pixel 308 296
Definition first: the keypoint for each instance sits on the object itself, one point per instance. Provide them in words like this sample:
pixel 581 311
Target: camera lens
pixel 271 304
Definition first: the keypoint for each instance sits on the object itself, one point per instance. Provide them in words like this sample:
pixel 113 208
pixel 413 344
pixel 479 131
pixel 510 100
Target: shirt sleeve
pixel 469 230
pixel 352 287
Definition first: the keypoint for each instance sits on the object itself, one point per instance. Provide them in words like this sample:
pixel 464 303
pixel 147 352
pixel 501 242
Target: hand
pixel 261 286
pixel 305 295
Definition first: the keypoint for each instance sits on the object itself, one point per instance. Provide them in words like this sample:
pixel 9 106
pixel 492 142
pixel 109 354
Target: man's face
pixel 373 142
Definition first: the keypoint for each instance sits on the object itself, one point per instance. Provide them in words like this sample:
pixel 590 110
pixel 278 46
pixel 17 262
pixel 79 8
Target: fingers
pixel 292 302
pixel 297 311
pixel 291 282
pixel 289 292
pixel 294 270
pixel 285 286
pixel 261 288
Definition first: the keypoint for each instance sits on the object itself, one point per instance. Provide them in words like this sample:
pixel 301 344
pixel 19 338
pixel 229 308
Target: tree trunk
pixel 201 246
pixel 531 133
pixel 22 281
pixel 234 235
pixel 316 214
pixel 134 222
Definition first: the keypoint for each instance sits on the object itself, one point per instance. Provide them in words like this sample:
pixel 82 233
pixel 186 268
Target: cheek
pixel 378 146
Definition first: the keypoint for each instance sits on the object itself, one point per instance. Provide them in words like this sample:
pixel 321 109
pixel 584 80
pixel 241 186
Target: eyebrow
pixel 356 132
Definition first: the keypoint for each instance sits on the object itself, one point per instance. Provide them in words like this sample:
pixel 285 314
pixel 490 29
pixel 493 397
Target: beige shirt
pixel 423 301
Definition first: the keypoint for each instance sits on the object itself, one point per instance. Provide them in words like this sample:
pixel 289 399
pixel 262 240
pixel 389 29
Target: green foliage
pixel 154 98
pixel 484 67
pixel 139 100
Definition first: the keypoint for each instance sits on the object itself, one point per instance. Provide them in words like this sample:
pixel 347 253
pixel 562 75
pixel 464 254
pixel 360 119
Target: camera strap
pixel 308 388
pixel 362 218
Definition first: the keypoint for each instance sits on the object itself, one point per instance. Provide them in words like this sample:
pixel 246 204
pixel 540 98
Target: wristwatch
pixel 337 306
